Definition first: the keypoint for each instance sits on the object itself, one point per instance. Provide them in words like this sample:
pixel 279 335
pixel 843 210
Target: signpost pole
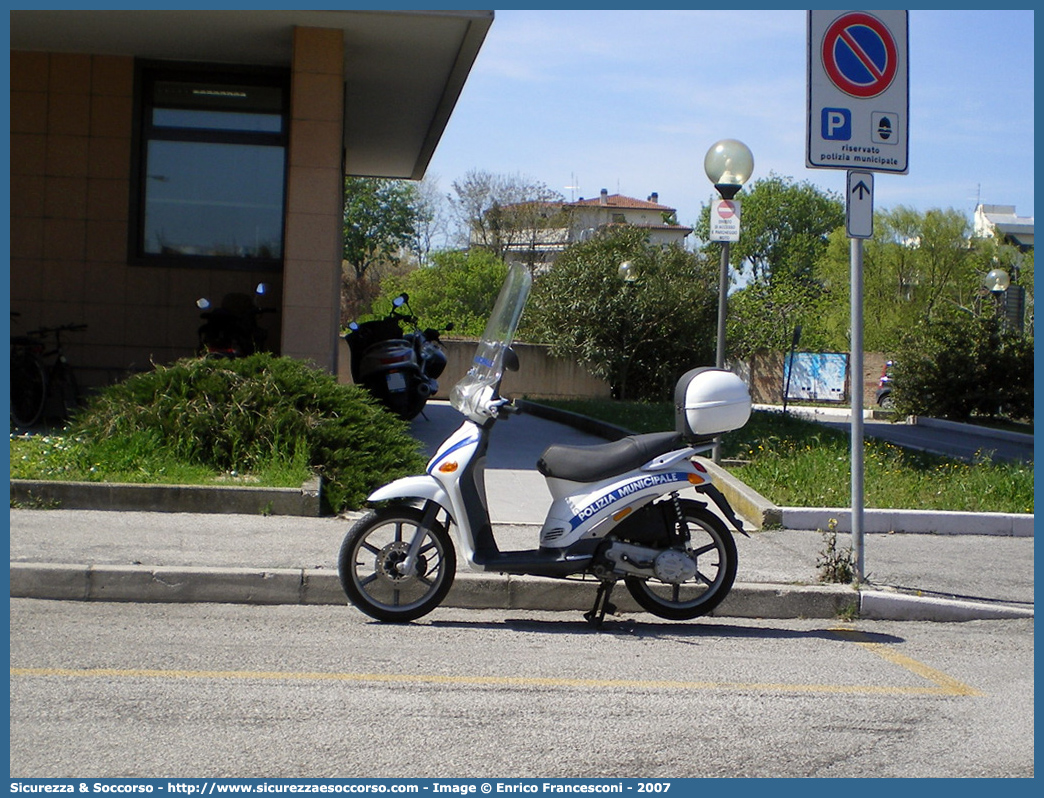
pixel 723 282
pixel 858 107
pixel 719 353
pixel 857 405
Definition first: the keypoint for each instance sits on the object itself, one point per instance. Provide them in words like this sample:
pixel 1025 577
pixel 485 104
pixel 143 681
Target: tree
pixel 457 287
pixel 380 220
pixel 960 366
pixel 916 267
pixel 640 337
pixel 763 316
pixel 784 228
pixel 431 222
pixel 503 213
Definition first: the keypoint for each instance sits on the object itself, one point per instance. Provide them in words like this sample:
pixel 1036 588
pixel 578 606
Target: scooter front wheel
pixel 371 558
pixel 714 555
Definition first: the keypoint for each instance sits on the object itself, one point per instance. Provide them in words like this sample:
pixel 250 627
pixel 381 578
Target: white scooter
pixel 615 511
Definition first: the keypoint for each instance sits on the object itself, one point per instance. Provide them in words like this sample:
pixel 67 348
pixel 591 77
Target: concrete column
pixel 314 209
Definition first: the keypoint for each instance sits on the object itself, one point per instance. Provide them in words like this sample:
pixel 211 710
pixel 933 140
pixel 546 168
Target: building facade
pixel 1000 222
pixel 581 219
pixel 162 156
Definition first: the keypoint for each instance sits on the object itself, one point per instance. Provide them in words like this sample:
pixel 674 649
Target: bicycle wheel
pixel 28 389
pixel 65 390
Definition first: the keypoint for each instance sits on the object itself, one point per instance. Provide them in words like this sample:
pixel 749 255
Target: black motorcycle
pixel 400 370
pixel 232 330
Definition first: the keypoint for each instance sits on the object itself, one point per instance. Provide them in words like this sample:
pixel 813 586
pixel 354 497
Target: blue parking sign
pixel 837 124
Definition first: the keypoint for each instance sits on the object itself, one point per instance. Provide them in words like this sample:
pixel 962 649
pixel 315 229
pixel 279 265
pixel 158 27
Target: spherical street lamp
pixel 627 272
pixel 997 280
pixel 729 164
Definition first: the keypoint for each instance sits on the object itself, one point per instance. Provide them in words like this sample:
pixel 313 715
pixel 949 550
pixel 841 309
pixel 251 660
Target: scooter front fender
pixel 417 487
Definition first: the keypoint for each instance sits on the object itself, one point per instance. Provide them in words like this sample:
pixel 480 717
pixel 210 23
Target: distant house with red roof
pixel 585 217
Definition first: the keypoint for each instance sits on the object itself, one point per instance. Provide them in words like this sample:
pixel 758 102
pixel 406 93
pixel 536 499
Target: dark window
pixel 211 167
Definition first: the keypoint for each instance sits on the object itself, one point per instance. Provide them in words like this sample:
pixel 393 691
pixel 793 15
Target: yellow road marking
pixel 943 685
pixel 947 684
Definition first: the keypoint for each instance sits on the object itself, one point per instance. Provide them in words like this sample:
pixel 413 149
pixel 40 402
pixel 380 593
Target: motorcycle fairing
pixel 416 487
pixel 581 511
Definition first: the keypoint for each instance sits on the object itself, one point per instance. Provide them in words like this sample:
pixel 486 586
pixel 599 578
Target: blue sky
pixel 631 101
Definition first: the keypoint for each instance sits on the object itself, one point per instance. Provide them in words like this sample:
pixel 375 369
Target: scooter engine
pixel 667 565
pixel 674 567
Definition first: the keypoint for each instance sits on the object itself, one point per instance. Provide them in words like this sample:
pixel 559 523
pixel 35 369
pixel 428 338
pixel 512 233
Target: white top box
pixel 709 401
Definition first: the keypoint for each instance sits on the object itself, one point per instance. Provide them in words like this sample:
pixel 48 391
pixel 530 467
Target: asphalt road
pixel 204 691
pixel 942 441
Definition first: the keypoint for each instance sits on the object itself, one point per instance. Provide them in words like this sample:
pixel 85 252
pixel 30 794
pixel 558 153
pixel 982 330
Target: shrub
pixel 459 288
pixel 959 368
pixel 640 337
pixel 246 414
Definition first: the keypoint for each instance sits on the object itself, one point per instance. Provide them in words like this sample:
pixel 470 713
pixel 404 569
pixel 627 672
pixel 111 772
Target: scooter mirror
pixel 401 300
pixel 203 303
pixel 353 326
pixel 262 289
pixel 511 359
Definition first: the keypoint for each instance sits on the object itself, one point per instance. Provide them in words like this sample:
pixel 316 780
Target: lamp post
pixel 997 282
pixel 728 164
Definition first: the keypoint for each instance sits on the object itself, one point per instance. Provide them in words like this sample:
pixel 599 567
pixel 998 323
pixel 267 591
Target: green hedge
pixel 242 415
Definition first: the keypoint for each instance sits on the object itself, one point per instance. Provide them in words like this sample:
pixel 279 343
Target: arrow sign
pixel 859 205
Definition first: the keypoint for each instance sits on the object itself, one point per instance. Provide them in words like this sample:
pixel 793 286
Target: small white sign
pixel 725 220
pixel 859 205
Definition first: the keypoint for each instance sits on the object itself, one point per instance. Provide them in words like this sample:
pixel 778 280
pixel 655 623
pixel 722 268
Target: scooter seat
pixel 601 461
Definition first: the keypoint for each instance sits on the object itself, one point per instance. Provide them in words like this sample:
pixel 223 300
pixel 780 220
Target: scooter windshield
pixel 471 395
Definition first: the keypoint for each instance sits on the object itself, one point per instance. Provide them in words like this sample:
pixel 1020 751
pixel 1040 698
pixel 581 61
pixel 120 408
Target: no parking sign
pixel 858 90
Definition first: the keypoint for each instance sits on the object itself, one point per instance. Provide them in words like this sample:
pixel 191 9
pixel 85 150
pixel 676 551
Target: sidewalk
pixel 179 557
pixel 133 555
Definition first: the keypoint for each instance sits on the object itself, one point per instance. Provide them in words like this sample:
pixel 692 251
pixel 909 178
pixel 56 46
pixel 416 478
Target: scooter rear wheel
pixel 714 551
pixel 371 553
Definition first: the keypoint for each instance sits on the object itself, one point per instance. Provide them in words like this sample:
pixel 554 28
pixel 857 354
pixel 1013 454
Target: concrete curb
pixel 970 429
pixel 239 499
pixel 592 426
pixel 925 522
pixel 881 605
pixel 746 501
pixel 763 514
pixel 172 584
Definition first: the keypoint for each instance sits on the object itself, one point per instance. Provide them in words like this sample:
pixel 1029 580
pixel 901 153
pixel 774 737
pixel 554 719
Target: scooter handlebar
pixel 506 408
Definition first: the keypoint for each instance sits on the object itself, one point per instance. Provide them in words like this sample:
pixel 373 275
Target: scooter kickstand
pixel 596 615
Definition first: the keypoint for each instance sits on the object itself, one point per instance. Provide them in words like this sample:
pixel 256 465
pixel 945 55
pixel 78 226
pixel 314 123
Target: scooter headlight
pixel 474 400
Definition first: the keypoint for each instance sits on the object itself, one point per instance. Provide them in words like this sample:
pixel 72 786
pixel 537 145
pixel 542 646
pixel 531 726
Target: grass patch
pixel 798 463
pixel 138 458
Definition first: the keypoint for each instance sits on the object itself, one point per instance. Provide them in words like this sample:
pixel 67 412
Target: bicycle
pixel 36 387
